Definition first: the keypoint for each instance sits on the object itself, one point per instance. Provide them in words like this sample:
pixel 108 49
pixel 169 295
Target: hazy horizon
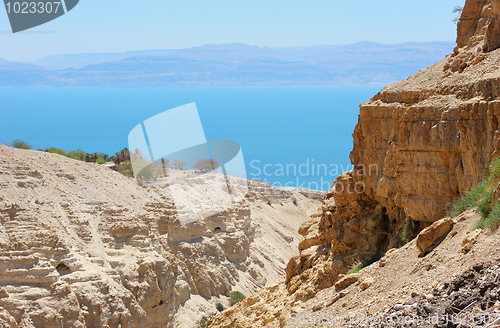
pixel 221 44
pixel 104 27
pixel 362 64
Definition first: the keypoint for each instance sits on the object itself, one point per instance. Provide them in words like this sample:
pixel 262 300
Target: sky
pixel 125 25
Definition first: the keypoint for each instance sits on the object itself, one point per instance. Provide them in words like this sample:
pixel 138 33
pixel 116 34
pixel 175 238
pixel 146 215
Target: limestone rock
pixel 427 237
pixel 366 283
pixel 346 281
pixel 470 240
pixel 83 246
pixel 419 144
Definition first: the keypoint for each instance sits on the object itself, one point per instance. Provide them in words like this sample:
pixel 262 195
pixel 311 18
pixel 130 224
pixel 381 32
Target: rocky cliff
pixel 418 144
pixel 84 246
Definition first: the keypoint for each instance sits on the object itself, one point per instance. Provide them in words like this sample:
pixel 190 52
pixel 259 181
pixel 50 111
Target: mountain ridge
pixel 363 64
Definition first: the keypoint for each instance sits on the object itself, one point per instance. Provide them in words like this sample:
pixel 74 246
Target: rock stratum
pixel 419 144
pixel 83 246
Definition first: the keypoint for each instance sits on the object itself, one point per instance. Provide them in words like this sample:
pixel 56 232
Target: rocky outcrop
pixel 83 246
pixel 418 144
pixel 403 283
pixel 479 25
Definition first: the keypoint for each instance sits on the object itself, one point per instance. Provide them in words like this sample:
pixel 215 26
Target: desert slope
pixel 397 285
pixel 83 246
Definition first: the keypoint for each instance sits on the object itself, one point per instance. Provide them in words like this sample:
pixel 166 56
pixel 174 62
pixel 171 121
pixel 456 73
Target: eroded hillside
pixel 83 246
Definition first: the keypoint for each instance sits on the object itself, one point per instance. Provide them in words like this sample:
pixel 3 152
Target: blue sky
pixel 123 25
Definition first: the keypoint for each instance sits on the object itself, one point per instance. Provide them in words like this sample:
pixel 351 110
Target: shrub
pixel 407 232
pixel 203 322
pixel 20 144
pixel 480 196
pixel 77 154
pixel 100 160
pixel 470 199
pixel 219 306
pixel 178 164
pixel 355 270
pixel 103 156
pixel 125 168
pixel 55 150
pixel 372 259
pixel 206 164
pixel 235 297
pixel 492 220
pixel 457 10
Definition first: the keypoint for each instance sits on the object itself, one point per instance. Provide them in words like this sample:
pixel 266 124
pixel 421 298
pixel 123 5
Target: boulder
pixel 427 237
pixel 366 283
pixel 346 281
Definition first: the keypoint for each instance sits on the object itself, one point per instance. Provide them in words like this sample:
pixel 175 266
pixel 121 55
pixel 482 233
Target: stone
pixel 470 240
pixel 427 237
pixel 183 290
pixel 346 281
pixel 398 307
pixel 366 283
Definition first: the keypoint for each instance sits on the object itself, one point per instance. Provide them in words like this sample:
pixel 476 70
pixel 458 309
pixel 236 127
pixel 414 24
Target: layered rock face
pixel 418 144
pixel 83 246
pixel 429 138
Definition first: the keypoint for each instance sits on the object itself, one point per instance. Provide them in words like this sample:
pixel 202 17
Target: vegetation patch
pixel 235 297
pixel 480 196
pixel 20 144
pixel 372 259
pixel 407 233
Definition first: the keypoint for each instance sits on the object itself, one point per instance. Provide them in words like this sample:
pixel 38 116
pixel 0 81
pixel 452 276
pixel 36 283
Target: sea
pixel 299 137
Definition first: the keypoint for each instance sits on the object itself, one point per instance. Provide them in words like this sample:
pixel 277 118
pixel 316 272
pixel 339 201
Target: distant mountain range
pixel 360 64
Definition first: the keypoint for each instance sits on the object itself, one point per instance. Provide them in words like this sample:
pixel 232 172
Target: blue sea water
pixel 299 137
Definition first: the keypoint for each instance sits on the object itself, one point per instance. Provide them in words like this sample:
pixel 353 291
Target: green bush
pixel 480 196
pixel 100 160
pixel 219 306
pixel 372 259
pixel 103 156
pixel 55 150
pixel 20 144
pixel 125 168
pixel 203 322
pixel 470 199
pixel 407 233
pixel 495 169
pixel 235 297
pixel 77 154
pixel 492 220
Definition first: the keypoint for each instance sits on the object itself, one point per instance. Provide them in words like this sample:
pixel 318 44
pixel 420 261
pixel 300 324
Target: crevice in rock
pixel 63 269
